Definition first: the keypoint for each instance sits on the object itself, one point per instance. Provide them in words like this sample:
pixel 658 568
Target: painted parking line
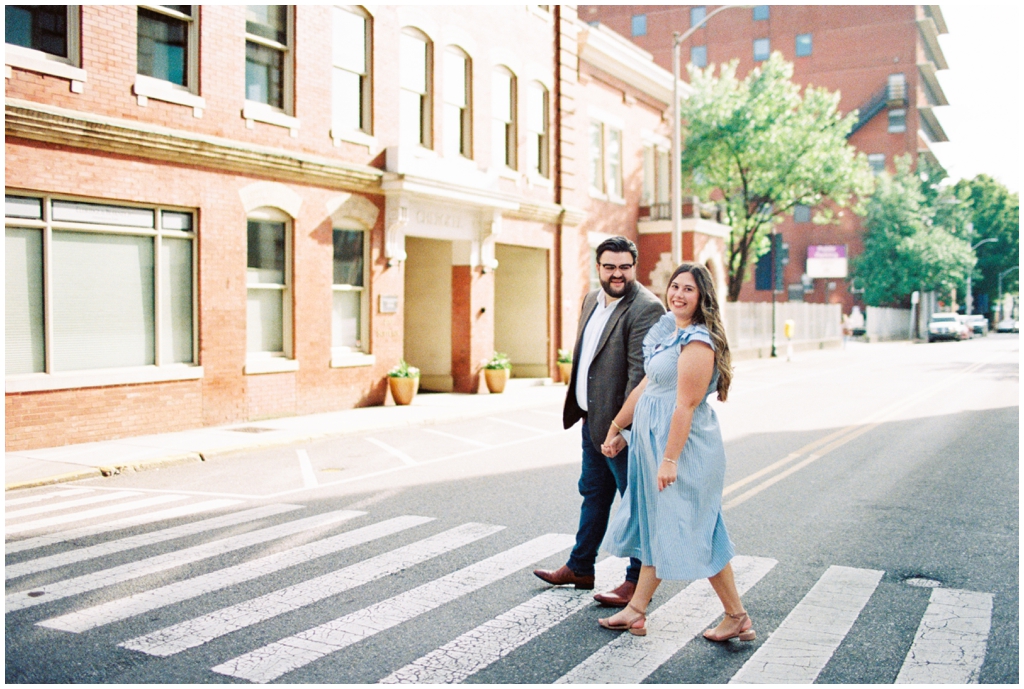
pixel 951 641
pixel 630 659
pixel 47 522
pixel 124 523
pixel 514 424
pixel 455 437
pixel 394 451
pixel 799 649
pixel 200 630
pixel 281 657
pixel 480 647
pixel 309 479
pixel 123 608
pixel 160 563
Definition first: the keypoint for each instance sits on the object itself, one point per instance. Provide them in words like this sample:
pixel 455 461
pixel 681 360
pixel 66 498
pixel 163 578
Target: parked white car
pixel 1008 325
pixel 944 326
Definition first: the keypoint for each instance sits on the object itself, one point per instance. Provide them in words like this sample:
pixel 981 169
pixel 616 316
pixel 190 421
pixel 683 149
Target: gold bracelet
pixel 670 460
pixel 617 426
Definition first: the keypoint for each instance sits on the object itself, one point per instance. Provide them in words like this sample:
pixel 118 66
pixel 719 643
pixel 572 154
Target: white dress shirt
pixel 591 336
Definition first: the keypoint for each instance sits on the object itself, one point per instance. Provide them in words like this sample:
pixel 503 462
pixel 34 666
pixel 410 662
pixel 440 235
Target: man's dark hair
pixel 616 245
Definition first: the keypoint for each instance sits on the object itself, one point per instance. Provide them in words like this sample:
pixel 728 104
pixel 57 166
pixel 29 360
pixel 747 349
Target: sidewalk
pixel 44 466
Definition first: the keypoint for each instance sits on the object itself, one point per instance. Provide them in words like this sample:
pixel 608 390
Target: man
pixel 608 362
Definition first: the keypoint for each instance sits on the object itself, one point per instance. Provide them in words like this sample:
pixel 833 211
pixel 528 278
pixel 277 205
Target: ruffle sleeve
pixel 696 333
pixel 665 334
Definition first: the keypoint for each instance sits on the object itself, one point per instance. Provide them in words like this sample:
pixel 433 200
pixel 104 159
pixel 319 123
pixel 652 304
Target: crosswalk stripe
pixel 799 649
pixel 629 659
pixel 159 563
pixel 47 522
pixel 950 644
pixel 81 502
pixel 40 564
pixel 480 647
pixel 46 496
pixel 276 659
pixel 127 522
pixel 198 631
pixel 123 608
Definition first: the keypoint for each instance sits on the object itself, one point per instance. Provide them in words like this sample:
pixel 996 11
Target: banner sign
pixel 826 261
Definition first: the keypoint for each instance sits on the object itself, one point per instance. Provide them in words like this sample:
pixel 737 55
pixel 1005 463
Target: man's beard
pixel 616 290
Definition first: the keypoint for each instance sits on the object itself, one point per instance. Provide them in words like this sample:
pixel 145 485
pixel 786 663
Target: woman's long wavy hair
pixel 710 316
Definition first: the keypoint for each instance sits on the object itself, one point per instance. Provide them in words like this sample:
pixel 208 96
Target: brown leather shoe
pixel 563 575
pixel 618 597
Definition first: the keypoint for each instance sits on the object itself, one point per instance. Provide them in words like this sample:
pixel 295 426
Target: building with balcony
pixel 218 214
pixel 882 59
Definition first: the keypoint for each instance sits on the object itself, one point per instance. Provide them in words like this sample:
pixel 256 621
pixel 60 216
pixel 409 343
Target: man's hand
pixel 613 445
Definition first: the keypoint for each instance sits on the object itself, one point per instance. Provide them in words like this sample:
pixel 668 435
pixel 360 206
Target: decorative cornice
pixel 617 56
pixel 37 122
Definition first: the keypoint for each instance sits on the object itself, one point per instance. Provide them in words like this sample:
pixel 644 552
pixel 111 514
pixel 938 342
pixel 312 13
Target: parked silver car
pixel 979 324
pixel 944 326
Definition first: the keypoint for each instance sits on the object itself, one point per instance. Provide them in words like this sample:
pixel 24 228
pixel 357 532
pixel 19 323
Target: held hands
pixel 666 474
pixel 613 444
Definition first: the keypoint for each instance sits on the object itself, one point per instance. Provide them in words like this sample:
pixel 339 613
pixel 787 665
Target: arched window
pixel 458 122
pixel 415 82
pixel 503 117
pixel 351 89
pixel 538 142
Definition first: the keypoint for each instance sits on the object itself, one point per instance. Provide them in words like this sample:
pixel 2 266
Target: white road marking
pixel 46 522
pixel 138 541
pixel 46 496
pixel 279 658
pixel 456 437
pixel 406 459
pixel 950 644
pixel 198 631
pixel 81 502
pixel 127 522
pixel 123 608
pixel 478 648
pixel 160 563
pixel 799 649
pixel 517 425
pixel 629 659
pixel 306 468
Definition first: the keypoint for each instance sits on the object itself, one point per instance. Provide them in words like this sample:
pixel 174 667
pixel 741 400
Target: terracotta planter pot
pixel 403 389
pixel 496 378
pixel 565 372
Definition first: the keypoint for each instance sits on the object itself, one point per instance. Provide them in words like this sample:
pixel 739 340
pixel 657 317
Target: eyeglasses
pixel 611 268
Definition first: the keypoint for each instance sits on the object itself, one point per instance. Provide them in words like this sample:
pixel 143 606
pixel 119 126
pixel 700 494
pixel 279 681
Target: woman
pixel 676 446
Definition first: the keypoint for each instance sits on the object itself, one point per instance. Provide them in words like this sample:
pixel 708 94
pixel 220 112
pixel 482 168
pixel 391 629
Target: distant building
pixel 218 214
pixel 881 58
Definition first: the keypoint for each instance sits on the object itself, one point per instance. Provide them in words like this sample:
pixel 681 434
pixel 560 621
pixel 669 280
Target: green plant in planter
pixel 404 370
pixel 498 361
pixel 565 356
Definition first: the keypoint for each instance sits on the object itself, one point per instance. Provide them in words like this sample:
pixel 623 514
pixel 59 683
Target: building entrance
pixel 428 311
pixel 521 309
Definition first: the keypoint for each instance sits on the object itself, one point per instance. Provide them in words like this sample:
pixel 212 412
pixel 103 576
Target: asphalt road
pixel 851 473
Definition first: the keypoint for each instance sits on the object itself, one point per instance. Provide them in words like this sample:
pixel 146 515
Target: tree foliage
pixel 916 237
pixel 762 147
pixel 995 213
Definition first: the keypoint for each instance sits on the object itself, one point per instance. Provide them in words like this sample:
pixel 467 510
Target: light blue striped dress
pixel 680 529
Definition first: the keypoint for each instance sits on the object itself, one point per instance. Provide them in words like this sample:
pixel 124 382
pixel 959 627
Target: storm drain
pixel 251 429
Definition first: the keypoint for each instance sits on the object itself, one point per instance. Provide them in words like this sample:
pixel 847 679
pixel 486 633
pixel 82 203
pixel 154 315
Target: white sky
pixel 983 119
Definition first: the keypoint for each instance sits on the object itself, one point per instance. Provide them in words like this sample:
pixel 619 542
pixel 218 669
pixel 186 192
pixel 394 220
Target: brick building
pixel 217 214
pixel 881 58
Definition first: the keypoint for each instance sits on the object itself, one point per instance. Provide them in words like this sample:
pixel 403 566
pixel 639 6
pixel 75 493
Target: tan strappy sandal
pixel 744 631
pixel 628 626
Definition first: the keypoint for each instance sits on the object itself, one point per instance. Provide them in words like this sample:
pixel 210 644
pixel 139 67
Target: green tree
pixel 915 237
pixel 995 213
pixel 762 147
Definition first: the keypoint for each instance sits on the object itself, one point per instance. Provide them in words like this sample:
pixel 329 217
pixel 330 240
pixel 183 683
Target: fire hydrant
pixel 787 330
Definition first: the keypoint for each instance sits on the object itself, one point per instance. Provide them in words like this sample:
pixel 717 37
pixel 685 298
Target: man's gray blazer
pixel 618 364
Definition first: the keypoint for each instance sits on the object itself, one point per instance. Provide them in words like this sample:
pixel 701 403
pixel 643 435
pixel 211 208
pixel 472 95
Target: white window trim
pixel 269 114
pixel 357 354
pixel 467 131
pixel 158 89
pixel 604 193
pixel 541 13
pixel 276 362
pixel 67 380
pixel 509 168
pixel 61 380
pixel 365 135
pixel 352 359
pixel 426 138
pixel 52 65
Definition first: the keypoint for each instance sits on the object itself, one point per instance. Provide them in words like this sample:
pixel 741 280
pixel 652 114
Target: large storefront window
pixel 96 286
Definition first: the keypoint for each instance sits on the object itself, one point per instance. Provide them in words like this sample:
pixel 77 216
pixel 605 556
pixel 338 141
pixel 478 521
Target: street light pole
pixel 675 171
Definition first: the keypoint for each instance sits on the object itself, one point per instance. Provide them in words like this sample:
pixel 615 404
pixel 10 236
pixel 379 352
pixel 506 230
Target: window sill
pixel 537 180
pixel 68 380
pixel 617 200
pixel 352 359
pixel 41 63
pixel 353 137
pixel 158 89
pixel 261 112
pixel 599 195
pixel 508 173
pixel 274 364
